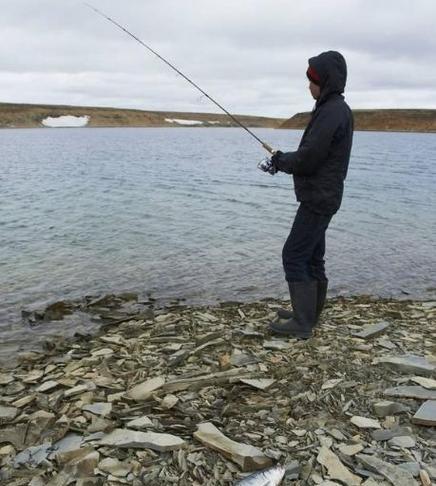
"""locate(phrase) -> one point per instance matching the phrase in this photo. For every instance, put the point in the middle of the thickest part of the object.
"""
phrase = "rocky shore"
(204, 396)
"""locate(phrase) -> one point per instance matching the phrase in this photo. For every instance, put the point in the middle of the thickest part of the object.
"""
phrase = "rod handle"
(268, 148)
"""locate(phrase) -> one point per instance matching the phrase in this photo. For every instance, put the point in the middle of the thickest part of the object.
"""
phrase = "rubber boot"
(322, 286)
(304, 303)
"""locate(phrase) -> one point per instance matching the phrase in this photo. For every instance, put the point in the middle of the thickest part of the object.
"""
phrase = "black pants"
(303, 253)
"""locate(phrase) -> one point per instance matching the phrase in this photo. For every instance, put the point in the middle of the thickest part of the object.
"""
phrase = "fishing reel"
(266, 165)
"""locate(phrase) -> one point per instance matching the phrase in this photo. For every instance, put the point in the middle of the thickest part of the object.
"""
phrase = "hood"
(332, 70)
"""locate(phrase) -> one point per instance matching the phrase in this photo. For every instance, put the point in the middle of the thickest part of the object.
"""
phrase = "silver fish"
(268, 477)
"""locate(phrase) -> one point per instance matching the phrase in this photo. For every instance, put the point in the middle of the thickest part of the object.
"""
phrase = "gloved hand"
(275, 161)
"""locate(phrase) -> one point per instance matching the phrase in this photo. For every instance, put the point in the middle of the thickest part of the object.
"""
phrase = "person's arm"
(314, 150)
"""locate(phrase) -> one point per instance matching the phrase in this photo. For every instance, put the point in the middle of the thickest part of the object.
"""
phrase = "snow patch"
(180, 121)
(66, 121)
(213, 122)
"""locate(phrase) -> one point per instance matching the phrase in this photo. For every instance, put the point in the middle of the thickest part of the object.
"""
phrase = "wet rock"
(125, 439)
(396, 475)
(426, 415)
(386, 408)
(365, 423)
(249, 458)
(335, 468)
(408, 364)
(417, 392)
(144, 390)
(7, 414)
(372, 330)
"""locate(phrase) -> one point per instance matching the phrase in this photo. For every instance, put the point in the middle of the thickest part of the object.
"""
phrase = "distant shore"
(380, 120)
(14, 115)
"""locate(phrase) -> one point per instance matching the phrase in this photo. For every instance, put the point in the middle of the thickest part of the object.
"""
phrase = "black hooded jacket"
(320, 164)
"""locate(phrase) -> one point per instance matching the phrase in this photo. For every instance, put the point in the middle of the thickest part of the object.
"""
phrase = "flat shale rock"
(412, 391)
(408, 364)
(98, 408)
(388, 434)
(260, 383)
(426, 415)
(404, 441)
(114, 467)
(372, 330)
(396, 475)
(365, 423)
(140, 423)
(335, 468)
(144, 390)
(7, 414)
(428, 383)
(385, 408)
(249, 458)
(33, 456)
(129, 439)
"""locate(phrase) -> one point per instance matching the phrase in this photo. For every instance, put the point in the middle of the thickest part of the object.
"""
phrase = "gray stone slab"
(426, 415)
(129, 439)
(248, 457)
(387, 434)
(7, 414)
(394, 474)
(408, 364)
(417, 392)
(372, 330)
(403, 441)
(384, 408)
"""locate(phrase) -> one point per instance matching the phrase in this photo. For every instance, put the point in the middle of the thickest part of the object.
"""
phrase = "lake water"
(185, 213)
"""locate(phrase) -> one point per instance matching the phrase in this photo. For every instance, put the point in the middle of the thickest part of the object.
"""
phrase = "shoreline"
(372, 130)
(179, 367)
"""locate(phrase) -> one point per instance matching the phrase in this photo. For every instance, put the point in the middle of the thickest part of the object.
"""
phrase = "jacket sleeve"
(315, 146)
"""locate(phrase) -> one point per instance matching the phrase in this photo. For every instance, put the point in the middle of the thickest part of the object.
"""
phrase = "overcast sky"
(251, 55)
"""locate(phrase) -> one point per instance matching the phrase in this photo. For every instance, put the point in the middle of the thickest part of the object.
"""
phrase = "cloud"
(251, 54)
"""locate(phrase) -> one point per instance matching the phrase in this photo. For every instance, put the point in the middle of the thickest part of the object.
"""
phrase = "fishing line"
(137, 39)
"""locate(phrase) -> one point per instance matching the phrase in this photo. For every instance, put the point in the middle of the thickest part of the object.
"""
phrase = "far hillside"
(14, 115)
(397, 120)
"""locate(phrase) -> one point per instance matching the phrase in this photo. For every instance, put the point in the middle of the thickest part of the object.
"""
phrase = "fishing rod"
(264, 144)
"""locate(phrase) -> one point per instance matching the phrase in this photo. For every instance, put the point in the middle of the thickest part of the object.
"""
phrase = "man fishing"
(319, 167)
